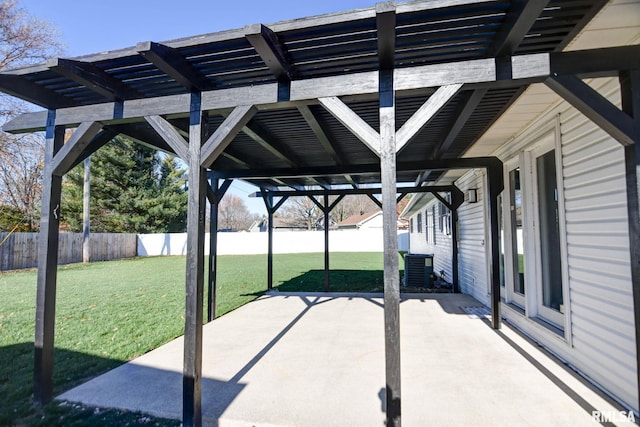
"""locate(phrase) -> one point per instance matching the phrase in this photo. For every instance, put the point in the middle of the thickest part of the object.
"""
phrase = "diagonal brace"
(353, 122)
(223, 136)
(596, 107)
(171, 136)
(74, 147)
(425, 113)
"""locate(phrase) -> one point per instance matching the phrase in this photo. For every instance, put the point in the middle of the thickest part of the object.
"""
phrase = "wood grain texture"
(171, 135)
(595, 106)
(47, 267)
(354, 123)
(425, 113)
(69, 154)
(222, 137)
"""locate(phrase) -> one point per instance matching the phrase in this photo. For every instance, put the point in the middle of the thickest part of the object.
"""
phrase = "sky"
(90, 26)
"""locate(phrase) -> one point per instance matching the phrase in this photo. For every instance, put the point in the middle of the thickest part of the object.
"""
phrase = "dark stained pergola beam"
(93, 78)
(320, 182)
(145, 136)
(459, 122)
(357, 191)
(525, 69)
(602, 62)
(595, 106)
(234, 157)
(176, 66)
(320, 133)
(425, 113)
(253, 131)
(363, 169)
(351, 181)
(71, 151)
(520, 18)
(272, 51)
(22, 88)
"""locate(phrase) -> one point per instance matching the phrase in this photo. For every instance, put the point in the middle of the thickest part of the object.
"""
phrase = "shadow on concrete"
(566, 389)
(339, 281)
(158, 392)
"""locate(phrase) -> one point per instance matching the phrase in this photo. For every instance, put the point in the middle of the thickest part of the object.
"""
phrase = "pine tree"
(133, 189)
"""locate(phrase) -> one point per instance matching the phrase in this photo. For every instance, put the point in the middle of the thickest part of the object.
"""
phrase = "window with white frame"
(419, 219)
(433, 226)
(429, 226)
(445, 216)
(536, 242)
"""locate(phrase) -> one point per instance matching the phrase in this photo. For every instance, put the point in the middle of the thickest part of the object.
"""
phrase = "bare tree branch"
(24, 40)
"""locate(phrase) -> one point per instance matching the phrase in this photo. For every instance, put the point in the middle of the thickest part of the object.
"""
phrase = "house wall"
(473, 242)
(599, 334)
(602, 321)
(373, 223)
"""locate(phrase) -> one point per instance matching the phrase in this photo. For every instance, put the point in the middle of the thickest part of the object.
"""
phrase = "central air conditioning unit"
(418, 270)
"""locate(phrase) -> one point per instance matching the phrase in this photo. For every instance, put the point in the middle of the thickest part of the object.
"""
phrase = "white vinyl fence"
(283, 242)
(20, 250)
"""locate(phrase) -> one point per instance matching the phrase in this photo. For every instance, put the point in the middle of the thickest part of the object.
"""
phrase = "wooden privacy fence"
(20, 250)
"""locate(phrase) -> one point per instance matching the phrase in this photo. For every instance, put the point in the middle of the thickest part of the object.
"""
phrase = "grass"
(110, 312)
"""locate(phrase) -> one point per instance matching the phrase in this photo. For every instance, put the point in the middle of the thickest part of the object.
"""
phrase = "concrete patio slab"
(318, 360)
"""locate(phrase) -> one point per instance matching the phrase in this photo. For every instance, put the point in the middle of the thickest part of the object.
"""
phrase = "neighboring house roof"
(278, 223)
(359, 220)
(356, 221)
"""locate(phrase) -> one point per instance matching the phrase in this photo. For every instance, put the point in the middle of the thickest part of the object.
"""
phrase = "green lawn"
(110, 312)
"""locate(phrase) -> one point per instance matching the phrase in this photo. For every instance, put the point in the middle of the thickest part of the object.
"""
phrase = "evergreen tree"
(133, 189)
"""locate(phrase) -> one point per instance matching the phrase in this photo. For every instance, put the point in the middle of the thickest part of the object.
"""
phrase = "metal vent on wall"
(418, 270)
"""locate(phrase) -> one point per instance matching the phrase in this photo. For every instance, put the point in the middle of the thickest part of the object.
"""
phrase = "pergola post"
(386, 24)
(271, 209)
(86, 212)
(457, 198)
(630, 92)
(454, 251)
(213, 254)
(268, 200)
(192, 375)
(326, 209)
(47, 266)
(494, 187)
(214, 194)
(326, 212)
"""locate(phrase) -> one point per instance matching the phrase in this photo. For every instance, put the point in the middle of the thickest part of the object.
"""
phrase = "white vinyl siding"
(472, 239)
(441, 250)
(598, 253)
(599, 338)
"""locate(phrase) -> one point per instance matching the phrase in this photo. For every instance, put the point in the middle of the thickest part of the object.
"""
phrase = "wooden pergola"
(390, 96)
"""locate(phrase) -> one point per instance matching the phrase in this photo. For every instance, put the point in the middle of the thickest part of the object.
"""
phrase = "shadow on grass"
(339, 281)
(71, 369)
